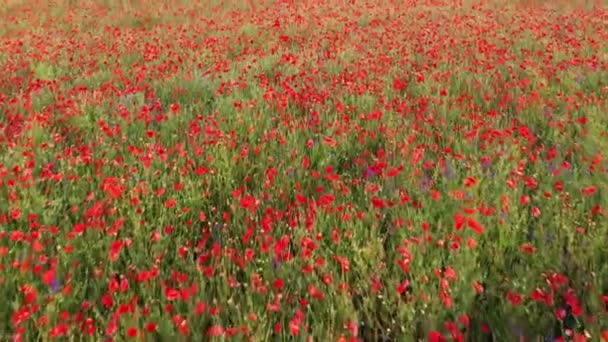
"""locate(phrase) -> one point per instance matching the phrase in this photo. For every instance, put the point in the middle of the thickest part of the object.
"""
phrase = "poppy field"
(322, 170)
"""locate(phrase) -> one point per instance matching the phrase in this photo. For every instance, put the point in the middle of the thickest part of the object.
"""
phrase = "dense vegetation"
(335, 170)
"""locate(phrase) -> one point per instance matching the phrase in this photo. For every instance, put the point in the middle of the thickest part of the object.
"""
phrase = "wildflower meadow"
(312, 170)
